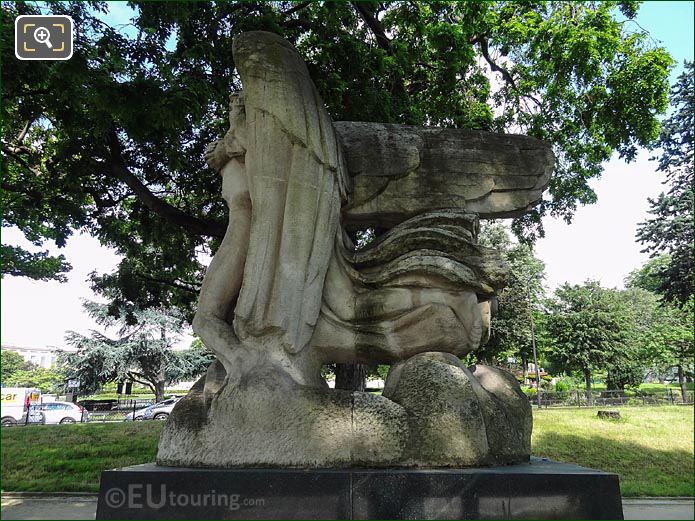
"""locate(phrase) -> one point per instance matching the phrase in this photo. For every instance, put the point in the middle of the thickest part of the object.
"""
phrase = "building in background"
(45, 357)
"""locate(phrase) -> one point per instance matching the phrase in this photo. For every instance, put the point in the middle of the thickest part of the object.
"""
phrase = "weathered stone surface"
(507, 411)
(447, 427)
(434, 412)
(455, 419)
(399, 171)
(269, 421)
(287, 290)
(608, 415)
(422, 286)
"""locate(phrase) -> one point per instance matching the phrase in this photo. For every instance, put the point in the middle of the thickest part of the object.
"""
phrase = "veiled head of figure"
(236, 136)
(237, 108)
(262, 55)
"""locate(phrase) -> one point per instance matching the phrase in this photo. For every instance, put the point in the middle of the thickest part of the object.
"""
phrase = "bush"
(561, 386)
(529, 391)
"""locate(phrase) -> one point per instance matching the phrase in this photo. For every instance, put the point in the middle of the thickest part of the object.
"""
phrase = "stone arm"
(215, 155)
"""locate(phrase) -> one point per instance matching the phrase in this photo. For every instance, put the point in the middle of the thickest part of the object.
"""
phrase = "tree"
(511, 325)
(38, 266)
(670, 340)
(670, 230)
(627, 365)
(48, 380)
(112, 141)
(10, 363)
(651, 276)
(587, 327)
(142, 352)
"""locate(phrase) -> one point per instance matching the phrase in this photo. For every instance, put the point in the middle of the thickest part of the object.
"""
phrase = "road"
(84, 507)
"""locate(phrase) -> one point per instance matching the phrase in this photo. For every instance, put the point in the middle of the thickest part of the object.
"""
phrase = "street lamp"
(533, 342)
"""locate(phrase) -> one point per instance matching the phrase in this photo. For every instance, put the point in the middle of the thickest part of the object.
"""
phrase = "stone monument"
(288, 292)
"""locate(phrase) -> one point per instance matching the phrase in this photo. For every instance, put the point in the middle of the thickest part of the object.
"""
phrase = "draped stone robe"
(308, 297)
(425, 285)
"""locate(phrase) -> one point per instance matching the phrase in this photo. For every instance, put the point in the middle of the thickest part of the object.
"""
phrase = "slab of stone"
(399, 171)
(535, 490)
(608, 415)
(434, 412)
(266, 422)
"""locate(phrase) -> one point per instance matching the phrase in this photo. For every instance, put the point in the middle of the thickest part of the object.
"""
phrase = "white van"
(15, 402)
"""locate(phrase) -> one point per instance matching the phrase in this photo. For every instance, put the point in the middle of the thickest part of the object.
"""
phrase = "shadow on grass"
(643, 471)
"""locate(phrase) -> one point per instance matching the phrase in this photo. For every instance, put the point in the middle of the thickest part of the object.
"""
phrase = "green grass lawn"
(651, 449)
(70, 458)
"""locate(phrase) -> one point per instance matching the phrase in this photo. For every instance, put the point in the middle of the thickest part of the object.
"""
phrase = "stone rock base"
(434, 412)
(535, 490)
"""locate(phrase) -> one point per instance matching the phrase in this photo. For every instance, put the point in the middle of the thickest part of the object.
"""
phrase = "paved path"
(84, 507)
(48, 507)
(658, 508)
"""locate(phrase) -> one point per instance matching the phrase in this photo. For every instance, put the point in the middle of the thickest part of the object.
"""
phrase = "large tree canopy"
(589, 327)
(511, 324)
(112, 141)
(670, 229)
(142, 353)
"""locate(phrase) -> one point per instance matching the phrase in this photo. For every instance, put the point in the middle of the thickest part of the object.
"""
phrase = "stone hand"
(216, 155)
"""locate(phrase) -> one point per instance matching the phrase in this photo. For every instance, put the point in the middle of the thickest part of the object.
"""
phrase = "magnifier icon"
(43, 35)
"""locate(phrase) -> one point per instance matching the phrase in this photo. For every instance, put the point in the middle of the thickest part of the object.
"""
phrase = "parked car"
(157, 411)
(56, 412)
(136, 415)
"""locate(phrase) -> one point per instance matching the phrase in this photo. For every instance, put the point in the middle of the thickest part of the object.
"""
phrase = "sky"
(599, 244)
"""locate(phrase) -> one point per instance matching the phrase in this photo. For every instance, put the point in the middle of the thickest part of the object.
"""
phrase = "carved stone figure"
(288, 291)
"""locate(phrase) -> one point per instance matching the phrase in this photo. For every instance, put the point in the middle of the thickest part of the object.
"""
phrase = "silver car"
(157, 411)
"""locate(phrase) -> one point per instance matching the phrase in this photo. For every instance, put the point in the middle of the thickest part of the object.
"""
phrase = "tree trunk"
(524, 369)
(351, 377)
(681, 383)
(587, 379)
(159, 390)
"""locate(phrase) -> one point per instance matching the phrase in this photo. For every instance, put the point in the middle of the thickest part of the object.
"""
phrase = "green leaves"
(626, 332)
(567, 72)
(511, 325)
(587, 326)
(10, 363)
(670, 230)
(38, 266)
(142, 352)
(48, 380)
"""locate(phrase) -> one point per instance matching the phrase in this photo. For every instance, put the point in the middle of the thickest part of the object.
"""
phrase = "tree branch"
(485, 50)
(176, 283)
(192, 225)
(383, 41)
(131, 375)
(296, 8)
(496, 68)
(23, 133)
(11, 151)
(375, 26)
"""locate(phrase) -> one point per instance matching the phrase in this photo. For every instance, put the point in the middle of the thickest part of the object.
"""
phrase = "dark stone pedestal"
(535, 490)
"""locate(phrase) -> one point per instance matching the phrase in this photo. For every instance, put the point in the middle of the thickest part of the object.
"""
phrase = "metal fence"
(578, 398)
(115, 410)
(121, 404)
